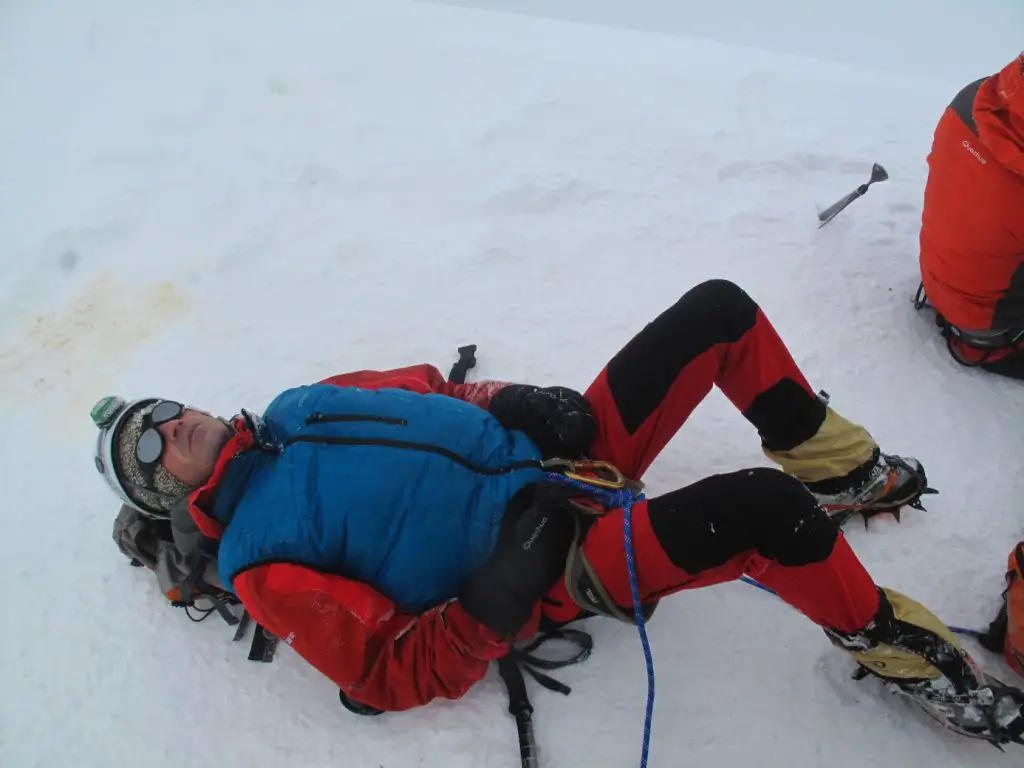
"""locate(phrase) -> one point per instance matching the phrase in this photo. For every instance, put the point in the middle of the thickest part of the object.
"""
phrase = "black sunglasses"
(150, 447)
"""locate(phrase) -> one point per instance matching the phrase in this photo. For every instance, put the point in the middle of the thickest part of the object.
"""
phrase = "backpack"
(184, 563)
(1005, 634)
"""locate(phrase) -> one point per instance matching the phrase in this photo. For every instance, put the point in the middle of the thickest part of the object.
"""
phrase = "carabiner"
(602, 474)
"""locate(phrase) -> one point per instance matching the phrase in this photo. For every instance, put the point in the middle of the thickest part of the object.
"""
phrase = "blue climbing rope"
(625, 498)
(958, 630)
(641, 624)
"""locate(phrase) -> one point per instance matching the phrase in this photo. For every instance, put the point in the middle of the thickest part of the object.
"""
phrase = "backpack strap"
(467, 360)
(263, 646)
(510, 668)
(193, 583)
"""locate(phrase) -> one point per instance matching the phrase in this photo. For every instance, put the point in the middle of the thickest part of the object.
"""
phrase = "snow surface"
(215, 201)
(929, 38)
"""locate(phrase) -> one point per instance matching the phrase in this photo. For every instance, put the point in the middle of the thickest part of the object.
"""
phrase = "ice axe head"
(878, 173)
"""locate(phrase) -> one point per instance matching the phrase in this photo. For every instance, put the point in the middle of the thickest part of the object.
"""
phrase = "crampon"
(901, 483)
(992, 712)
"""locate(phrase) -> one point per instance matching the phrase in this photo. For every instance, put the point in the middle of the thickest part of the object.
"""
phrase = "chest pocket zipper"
(328, 418)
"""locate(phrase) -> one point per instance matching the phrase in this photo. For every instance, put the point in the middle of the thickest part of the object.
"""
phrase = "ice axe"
(878, 173)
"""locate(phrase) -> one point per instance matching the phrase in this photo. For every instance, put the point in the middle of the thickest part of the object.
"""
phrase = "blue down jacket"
(401, 491)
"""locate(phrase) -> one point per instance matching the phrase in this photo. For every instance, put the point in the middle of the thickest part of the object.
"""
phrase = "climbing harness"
(605, 484)
(625, 497)
(986, 343)
(602, 482)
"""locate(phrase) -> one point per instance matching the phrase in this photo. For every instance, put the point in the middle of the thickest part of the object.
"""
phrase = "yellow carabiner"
(600, 474)
(612, 478)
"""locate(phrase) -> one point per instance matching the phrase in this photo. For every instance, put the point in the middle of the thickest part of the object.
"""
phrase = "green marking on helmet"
(103, 413)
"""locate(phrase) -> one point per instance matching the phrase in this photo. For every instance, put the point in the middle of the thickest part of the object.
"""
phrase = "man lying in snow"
(972, 228)
(400, 532)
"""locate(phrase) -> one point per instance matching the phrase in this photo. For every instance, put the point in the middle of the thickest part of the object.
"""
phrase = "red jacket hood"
(201, 498)
(999, 114)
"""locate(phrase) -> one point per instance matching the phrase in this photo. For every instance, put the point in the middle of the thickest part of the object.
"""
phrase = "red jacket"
(972, 229)
(347, 630)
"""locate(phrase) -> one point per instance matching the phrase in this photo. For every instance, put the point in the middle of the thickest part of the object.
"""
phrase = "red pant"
(759, 522)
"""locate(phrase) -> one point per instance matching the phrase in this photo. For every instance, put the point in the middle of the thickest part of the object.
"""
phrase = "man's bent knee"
(759, 510)
(640, 376)
(796, 530)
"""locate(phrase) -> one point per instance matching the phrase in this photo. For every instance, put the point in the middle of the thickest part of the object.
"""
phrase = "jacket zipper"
(412, 446)
(326, 418)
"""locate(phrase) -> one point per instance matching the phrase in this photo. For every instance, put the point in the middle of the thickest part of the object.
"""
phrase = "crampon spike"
(895, 511)
(867, 514)
(917, 504)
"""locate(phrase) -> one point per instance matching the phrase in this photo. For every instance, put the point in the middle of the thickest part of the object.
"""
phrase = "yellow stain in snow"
(68, 353)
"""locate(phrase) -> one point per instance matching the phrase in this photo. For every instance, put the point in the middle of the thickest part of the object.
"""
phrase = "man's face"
(192, 444)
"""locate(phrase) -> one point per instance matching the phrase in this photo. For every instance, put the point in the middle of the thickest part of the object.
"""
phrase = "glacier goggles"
(150, 447)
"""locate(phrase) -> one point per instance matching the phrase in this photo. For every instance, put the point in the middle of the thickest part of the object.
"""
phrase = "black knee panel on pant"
(708, 523)
(786, 415)
(641, 374)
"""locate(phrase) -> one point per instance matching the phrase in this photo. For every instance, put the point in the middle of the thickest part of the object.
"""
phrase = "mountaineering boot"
(916, 655)
(885, 483)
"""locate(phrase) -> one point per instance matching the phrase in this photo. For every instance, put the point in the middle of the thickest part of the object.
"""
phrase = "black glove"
(537, 532)
(557, 419)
